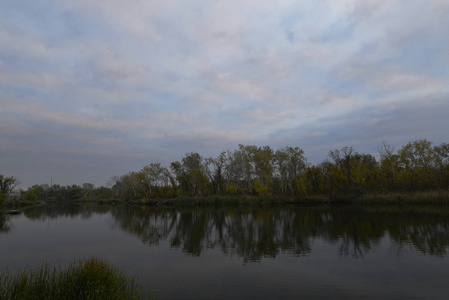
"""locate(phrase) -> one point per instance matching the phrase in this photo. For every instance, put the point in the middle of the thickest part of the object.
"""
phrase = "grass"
(102, 201)
(14, 204)
(431, 197)
(211, 200)
(423, 197)
(86, 279)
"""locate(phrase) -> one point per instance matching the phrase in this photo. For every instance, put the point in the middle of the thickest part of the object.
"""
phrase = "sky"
(90, 89)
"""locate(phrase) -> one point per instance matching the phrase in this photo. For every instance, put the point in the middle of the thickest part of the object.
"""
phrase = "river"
(243, 252)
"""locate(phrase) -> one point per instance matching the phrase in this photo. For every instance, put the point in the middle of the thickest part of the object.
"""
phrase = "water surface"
(277, 252)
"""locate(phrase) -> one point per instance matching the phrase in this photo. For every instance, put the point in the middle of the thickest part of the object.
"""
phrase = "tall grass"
(212, 200)
(14, 204)
(86, 279)
(434, 197)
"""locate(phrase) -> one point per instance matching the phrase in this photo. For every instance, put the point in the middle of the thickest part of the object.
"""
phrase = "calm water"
(246, 253)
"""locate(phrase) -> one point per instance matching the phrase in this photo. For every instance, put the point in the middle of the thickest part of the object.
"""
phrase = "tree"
(290, 165)
(7, 184)
(191, 174)
(244, 159)
(34, 193)
(131, 185)
(389, 163)
(359, 170)
(116, 185)
(342, 158)
(88, 190)
(263, 158)
(333, 178)
(418, 162)
(215, 169)
(423, 166)
(234, 173)
(365, 173)
(154, 177)
(442, 164)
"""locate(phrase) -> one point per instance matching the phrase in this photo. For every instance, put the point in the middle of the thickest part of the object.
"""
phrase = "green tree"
(442, 165)
(418, 162)
(154, 177)
(7, 184)
(290, 165)
(334, 179)
(359, 170)
(234, 172)
(34, 193)
(191, 175)
(343, 159)
(245, 165)
(215, 168)
(389, 164)
(88, 191)
(131, 184)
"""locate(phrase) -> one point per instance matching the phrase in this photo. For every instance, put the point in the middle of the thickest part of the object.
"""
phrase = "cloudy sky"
(90, 89)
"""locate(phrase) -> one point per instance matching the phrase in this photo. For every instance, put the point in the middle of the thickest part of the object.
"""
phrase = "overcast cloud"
(91, 89)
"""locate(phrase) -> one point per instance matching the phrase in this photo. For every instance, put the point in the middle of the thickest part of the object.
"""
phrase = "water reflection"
(5, 225)
(253, 234)
(48, 212)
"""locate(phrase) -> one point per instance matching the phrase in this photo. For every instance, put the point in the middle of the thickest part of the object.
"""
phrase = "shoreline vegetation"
(395, 199)
(440, 197)
(425, 197)
(91, 278)
(416, 172)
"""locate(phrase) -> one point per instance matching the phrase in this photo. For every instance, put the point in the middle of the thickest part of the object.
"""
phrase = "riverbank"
(427, 197)
(228, 200)
(394, 198)
(19, 205)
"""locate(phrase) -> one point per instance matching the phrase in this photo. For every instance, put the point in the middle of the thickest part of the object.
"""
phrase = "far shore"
(440, 197)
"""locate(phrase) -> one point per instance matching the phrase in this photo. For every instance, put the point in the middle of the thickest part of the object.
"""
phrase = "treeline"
(263, 171)
(56, 192)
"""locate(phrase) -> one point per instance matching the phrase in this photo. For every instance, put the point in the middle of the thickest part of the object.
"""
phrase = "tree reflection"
(46, 212)
(265, 232)
(428, 233)
(254, 233)
(5, 227)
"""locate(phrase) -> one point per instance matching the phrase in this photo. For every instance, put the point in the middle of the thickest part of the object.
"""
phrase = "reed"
(434, 197)
(214, 200)
(86, 279)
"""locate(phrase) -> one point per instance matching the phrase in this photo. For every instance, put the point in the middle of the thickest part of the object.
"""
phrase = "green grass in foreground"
(86, 279)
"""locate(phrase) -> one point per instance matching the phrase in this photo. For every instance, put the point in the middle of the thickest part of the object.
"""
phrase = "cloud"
(125, 82)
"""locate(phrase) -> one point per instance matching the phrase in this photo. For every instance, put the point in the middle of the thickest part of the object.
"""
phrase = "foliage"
(85, 192)
(419, 197)
(262, 171)
(89, 279)
(7, 184)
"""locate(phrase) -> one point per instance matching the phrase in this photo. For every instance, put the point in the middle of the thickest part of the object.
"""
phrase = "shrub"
(86, 279)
